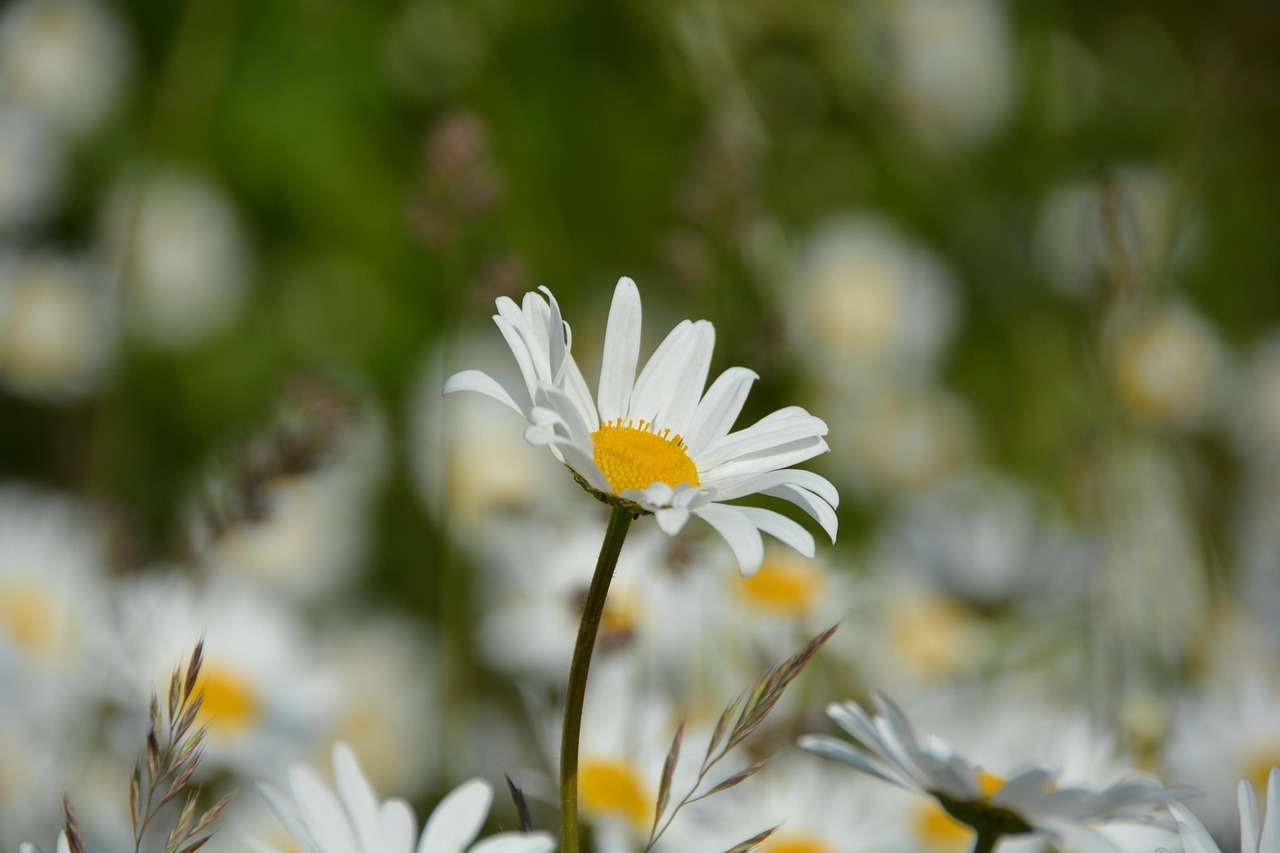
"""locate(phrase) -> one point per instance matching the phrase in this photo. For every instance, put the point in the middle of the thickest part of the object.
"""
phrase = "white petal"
(653, 387)
(557, 332)
(771, 459)
(781, 528)
(286, 813)
(455, 822)
(516, 842)
(398, 825)
(320, 810)
(741, 485)
(721, 406)
(836, 750)
(740, 533)
(773, 430)
(1269, 841)
(583, 463)
(1195, 838)
(491, 385)
(359, 798)
(254, 844)
(672, 519)
(818, 509)
(575, 387)
(1250, 828)
(686, 391)
(510, 325)
(621, 351)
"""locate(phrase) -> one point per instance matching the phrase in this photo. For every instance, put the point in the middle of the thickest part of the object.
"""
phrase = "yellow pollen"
(636, 457)
(230, 705)
(783, 586)
(797, 844)
(29, 618)
(612, 789)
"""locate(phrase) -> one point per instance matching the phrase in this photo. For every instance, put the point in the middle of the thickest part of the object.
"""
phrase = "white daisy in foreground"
(1258, 833)
(352, 820)
(655, 443)
(1027, 802)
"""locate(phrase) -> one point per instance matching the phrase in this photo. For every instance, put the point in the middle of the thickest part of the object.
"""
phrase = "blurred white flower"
(1029, 801)
(814, 809)
(185, 255)
(899, 441)
(57, 327)
(953, 71)
(267, 699)
(1259, 833)
(33, 171)
(389, 708)
(54, 601)
(470, 467)
(655, 443)
(1221, 737)
(866, 300)
(1164, 365)
(349, 818)
(311, 537)
(1124, 228)
(65, 60)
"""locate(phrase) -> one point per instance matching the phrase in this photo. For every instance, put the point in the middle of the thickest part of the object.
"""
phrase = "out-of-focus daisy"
(1259, 833)
(1027, 802)
(953, 73)
(656, 443)
(57, 328)
(266, 697)
(900, 441)
(1123, 228)
(1220, 738)
(865, 300)
(184, 252)
(473, 466)
(32, 171)
(813, 810)
(349, 818)
(65, 60)
(54, 603)
(389, 707)
(1163, 366)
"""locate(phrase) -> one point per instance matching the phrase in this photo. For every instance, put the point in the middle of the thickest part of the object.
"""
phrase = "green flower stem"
(985, 842)
(576, 692)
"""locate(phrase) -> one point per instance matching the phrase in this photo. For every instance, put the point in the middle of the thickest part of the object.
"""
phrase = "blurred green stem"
(985, 842)
(576, 692)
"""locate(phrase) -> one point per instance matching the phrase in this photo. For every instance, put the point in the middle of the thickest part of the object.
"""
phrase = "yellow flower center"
(1259, 769)
(634, 457)
(29, 618)
(612, 789)
(783, 586)
(230, 704)
(797, 844)
(939, 831)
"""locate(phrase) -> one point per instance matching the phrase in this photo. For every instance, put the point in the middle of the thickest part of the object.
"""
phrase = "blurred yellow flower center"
(632, 457)
(29, 617)
(783, 586)
(1259, 769)
(612, 789)
(938, 830)
(230, 704)
(797, 844)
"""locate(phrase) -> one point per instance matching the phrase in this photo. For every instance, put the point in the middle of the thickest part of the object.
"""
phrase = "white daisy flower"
(1258, 833)
(656, 443)
(1027, 802)
(352, 820)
